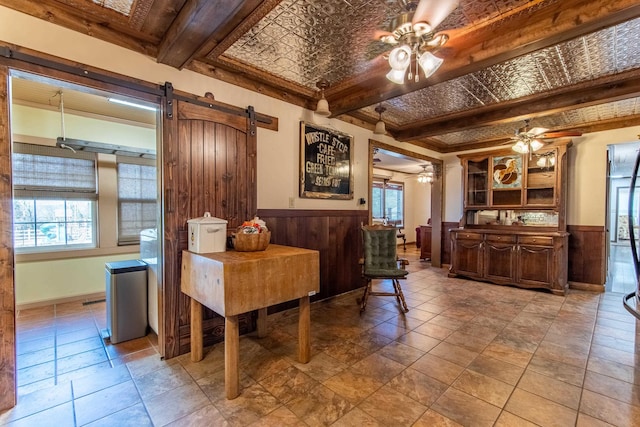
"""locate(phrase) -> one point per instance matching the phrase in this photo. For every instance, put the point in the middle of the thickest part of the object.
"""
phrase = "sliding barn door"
(209, 165)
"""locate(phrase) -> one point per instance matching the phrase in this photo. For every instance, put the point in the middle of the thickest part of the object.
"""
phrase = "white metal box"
(207, 234)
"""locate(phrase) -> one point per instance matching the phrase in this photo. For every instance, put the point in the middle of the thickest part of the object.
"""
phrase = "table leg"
(304, 330)
(261, 325)
(196, 331)
(231, 357)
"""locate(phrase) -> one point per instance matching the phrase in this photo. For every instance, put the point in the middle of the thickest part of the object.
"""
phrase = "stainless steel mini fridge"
(126, 283)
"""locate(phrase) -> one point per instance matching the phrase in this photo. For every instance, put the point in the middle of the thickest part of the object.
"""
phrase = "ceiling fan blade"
(536, 132)
(379, 34)
(434, 11)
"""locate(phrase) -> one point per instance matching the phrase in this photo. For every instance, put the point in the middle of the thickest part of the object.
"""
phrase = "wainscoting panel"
(335, 234)
(587, 263)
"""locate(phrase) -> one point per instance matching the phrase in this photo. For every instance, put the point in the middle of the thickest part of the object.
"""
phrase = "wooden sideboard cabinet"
(525, 259)
(513, 229)
(425, 242)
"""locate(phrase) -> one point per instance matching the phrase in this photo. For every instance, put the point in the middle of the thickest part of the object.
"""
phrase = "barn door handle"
(168, 200)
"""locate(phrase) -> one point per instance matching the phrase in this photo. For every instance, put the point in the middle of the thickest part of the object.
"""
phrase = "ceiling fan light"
(396, 76)
(322, 109)
(520, 147)
(388, 39)
(400, 58)
(536, 145)
(429, 63)
(381, 128)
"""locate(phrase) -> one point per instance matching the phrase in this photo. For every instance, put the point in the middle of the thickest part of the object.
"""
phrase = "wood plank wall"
(335, 234)
(587, 262)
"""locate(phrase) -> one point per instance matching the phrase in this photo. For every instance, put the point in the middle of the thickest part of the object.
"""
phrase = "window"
(388, 202)
(137, 188)
(54, 200)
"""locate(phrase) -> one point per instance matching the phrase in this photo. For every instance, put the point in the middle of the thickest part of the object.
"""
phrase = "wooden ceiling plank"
(490, 45)
(79, 20)
(196, 23)
(248, 82)
(605, 89)
(153, 17)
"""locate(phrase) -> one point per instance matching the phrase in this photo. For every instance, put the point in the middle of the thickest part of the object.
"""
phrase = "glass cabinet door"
(477, 182)
(541, 179)
(507, 179)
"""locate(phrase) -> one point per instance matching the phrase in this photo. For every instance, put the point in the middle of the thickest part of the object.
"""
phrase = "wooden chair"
(380, 261)
(403, 236)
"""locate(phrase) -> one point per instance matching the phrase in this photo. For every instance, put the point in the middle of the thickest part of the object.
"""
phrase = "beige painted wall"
(587, 175)
(35, 122)
(59, 279)
(278, 152)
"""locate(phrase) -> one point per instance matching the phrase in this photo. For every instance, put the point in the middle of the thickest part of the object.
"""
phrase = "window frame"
(382, 185)
(153, 200)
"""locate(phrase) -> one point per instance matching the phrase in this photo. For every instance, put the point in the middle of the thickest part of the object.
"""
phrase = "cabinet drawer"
(500, 238)
(536, 240)
(466, 235)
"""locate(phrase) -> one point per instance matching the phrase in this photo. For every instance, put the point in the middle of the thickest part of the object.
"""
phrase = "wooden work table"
(231, 283)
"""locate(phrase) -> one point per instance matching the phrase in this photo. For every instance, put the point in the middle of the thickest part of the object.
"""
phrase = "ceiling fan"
(529, 140)
(412, 32)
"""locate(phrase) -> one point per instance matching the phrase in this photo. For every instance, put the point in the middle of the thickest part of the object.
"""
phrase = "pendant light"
(381, 128)
(322, 109)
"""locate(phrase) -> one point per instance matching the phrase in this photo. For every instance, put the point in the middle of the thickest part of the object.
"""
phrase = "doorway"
(621, 276)
(69, 233)
(401, 169)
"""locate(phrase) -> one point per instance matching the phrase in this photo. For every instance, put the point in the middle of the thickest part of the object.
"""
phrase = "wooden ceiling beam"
(200, 23)
(92, 20)
(605, 89)
(488, 45)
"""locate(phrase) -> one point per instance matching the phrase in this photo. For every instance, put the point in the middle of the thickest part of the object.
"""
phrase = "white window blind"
(39, 169)
(137, 195)
(54, 198)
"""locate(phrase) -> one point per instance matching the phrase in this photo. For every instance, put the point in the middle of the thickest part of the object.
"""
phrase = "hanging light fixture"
(413, 32)
(527, 140)
(547, 160)
(426, 175)
(322, 109)
(381, 128)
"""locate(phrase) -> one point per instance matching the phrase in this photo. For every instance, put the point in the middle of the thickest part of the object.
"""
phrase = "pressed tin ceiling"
(596, 55)
(564, 64)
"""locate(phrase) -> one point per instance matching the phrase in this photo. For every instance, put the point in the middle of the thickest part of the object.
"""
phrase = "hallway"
(622, 276)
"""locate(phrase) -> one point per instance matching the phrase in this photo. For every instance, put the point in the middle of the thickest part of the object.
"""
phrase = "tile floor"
(467, 353)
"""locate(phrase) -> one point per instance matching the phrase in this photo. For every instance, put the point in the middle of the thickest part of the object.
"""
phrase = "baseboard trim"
(591, 287)
(83, 298)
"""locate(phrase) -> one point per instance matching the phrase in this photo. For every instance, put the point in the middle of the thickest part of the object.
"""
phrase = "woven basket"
(251, 242)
